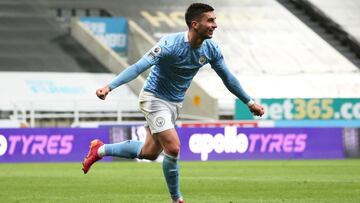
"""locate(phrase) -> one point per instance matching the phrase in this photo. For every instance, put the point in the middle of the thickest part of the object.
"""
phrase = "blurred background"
(298, 58)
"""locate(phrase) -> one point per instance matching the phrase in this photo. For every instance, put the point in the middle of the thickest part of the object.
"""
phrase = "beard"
(204, 33)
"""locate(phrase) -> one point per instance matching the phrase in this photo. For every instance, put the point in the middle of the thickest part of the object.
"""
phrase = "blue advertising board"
(113, 32)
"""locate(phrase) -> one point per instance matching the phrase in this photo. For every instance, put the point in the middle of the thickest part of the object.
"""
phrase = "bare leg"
(170, 142)
(152, 147)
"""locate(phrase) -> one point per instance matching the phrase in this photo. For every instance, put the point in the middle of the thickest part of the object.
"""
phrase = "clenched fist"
(102, 92)
(257, 109)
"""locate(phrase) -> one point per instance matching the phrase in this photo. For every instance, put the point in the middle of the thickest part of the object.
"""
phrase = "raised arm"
(130, 73)
(150, 58)
(124, 77)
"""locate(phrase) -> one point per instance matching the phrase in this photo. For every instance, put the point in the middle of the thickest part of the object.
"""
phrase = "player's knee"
(173, 151)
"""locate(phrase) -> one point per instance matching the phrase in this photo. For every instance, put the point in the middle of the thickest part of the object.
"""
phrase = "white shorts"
(160, 115)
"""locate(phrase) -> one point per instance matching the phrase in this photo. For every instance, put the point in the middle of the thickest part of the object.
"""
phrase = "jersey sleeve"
(152, 57)
(230, 81)
(156, 53)
(129, 73)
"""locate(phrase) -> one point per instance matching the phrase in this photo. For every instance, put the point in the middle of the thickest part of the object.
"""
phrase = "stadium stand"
(335, 21)
(32, 40)
(38, 59)
(345, 13)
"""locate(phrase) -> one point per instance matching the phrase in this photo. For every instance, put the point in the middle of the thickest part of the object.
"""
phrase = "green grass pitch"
(229, 181)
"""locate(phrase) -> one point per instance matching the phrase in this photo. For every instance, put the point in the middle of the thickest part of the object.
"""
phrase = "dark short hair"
(195, 11)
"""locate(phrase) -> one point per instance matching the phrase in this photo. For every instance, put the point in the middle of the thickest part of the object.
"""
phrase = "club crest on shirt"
(202, 60)
(159, 121)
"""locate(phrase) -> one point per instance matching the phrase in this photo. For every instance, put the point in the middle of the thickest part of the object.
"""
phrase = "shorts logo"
(202, 60)
(159, 121)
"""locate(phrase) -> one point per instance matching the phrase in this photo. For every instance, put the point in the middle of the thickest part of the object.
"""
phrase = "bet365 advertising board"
(318, 111)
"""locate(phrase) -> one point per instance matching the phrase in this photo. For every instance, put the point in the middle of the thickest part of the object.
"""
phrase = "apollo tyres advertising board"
(231, 143)
(48, 144)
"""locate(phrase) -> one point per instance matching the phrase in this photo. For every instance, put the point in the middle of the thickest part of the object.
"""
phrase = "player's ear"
(194, 24)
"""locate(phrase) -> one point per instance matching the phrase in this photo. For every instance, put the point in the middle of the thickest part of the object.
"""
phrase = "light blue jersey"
(174, 64)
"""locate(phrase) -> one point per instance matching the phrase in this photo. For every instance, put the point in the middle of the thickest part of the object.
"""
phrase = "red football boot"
(180, 200)
(92, 156)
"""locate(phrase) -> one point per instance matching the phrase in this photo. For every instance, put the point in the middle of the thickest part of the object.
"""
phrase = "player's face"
(206, 25)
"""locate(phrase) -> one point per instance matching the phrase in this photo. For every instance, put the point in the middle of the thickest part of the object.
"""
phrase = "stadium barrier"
(198, 144)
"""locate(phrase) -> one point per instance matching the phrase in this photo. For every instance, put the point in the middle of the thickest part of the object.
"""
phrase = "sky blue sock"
(128, 149)
(171, 173)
